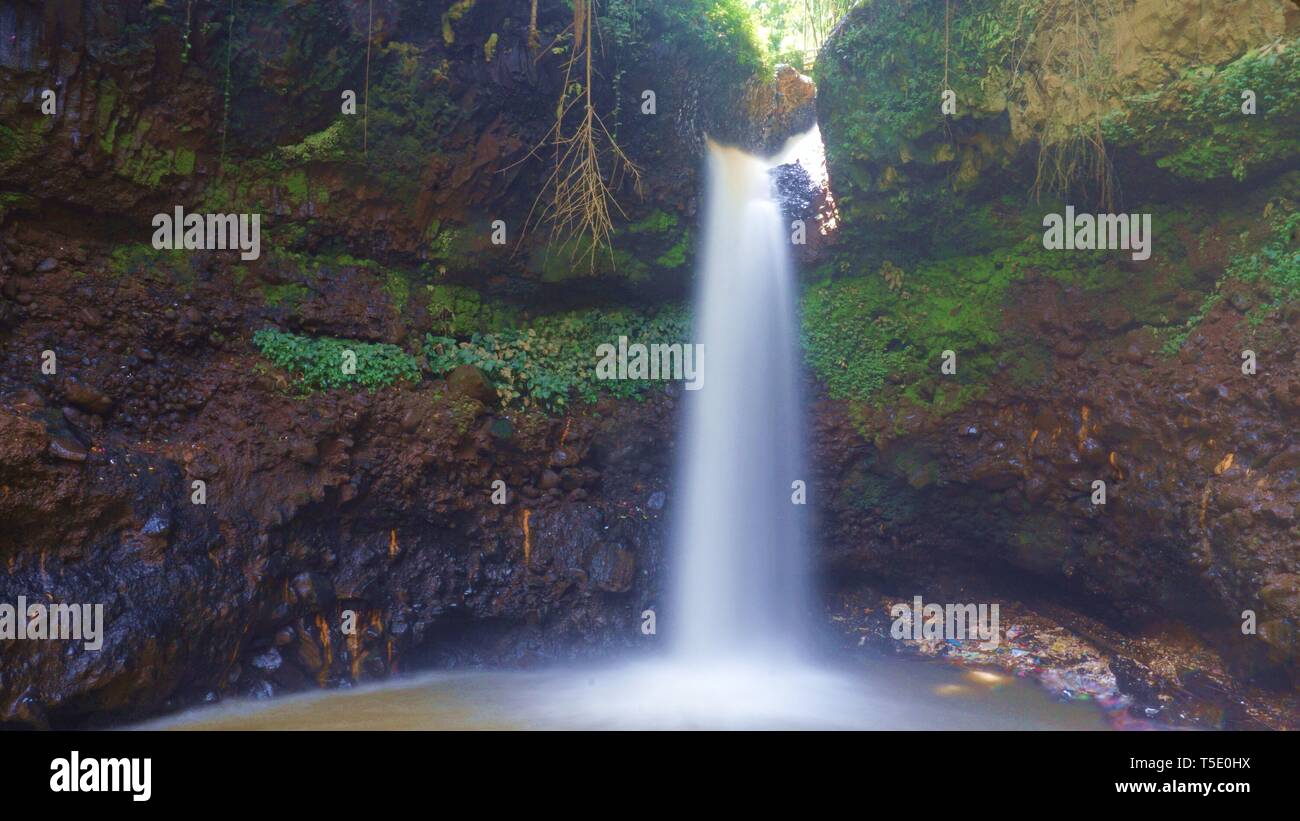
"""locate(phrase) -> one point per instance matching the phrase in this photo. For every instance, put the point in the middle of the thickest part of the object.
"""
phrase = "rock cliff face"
(1117, 104)
(245, 109)
(374, 501)
(1072, 368)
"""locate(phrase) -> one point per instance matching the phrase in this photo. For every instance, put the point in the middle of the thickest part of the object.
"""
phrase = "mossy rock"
(911, 181)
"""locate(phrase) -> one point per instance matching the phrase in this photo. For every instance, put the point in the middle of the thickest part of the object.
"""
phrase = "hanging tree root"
(1077, 46)
(577, 199)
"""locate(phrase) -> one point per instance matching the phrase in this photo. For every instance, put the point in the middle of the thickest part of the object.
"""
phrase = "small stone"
(158, 525)
(67, 449)
(501, 428)
(469, 381)
(1070, 348)
(87, 398)
(269, 661)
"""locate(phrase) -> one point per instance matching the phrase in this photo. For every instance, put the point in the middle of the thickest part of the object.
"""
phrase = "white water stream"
(740, 579)
(736, 622)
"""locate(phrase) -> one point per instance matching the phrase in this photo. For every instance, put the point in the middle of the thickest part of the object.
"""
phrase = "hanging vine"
(225, 111)
(534, 39)
(1071, 39)
(365, 116)
(577, 199)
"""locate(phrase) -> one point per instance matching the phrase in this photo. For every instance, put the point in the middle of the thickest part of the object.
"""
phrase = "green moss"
(108, 137)
(657, 222)
(1272, 269)
(574, 259)
(902, 179)
(183, 163)
(295, 185)
(892, 501)
(457, 311)
(106, 115)
(15, 201)
(450, 246)
(143, 262)
(411, 114)
(637, 252)
(875, 341)
(284, 295)
(398, 289)
(1195, 128)
(860, 333)
(675, 256)
(323, 146)
(20, 142)
(458, 10)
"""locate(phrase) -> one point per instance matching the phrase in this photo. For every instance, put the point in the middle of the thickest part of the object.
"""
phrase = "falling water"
(740, 580)
(736, 619)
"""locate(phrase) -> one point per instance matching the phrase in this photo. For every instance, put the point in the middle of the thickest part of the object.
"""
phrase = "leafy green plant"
(1275, 266)
(1195, 128)
(317, 363)
(553, 363)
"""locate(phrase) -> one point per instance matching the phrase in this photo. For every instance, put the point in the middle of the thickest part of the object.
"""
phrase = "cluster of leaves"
(552, 363)
(1174, 336)
(328, 145)
(1273, 269)
(795, 27)
(881, 77)
(1196, 129)
(318, 362)
(879, 83)
(1275, 266)
(719, 33)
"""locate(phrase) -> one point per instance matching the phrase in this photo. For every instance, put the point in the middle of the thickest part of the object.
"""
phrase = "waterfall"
(739, 588)
(736, 620)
